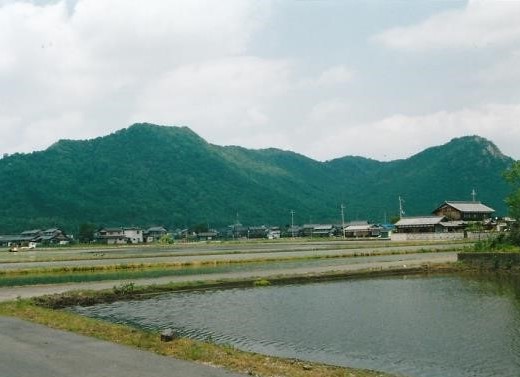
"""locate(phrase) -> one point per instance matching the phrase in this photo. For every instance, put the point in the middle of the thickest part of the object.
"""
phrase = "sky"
(382, 79)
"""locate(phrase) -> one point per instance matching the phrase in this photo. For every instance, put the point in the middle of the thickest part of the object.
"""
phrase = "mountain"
(148, 174)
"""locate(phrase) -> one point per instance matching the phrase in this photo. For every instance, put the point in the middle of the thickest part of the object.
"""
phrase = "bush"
(124, 288)
(501, 242)
(262, 283)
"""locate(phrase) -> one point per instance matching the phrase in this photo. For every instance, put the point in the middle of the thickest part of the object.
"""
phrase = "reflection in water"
(417, 326)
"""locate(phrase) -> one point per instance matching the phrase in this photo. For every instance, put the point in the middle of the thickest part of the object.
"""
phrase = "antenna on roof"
(474, 195)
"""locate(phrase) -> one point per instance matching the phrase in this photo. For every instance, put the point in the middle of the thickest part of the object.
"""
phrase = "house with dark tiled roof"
(422, 224)
(362, 230)
(52, 236)
(154, 233)
(466, 211)
(211, 234)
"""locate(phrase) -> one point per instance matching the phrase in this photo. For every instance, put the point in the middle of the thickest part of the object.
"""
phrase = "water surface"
(417, 326)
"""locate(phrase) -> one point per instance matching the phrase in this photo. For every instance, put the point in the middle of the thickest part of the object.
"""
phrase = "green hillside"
(148, 174)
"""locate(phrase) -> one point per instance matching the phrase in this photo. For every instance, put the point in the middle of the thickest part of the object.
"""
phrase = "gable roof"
(156, 229)
(419, 221)
(453, 224)
(323, 227)
(467, 206)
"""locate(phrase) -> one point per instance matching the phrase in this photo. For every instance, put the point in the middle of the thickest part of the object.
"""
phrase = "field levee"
(491, 261)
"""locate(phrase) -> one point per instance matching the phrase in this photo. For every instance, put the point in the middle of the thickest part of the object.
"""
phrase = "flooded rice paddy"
(9, 280)
(416, 326)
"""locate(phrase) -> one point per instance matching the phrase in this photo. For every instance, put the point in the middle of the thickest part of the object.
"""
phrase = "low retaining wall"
(439, 236)
(491, 261)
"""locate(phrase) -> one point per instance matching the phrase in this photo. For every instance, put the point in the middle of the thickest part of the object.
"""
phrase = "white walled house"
(120, 236)
(133, 235)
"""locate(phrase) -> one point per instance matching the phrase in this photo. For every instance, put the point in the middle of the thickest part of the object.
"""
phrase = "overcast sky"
(380, 79)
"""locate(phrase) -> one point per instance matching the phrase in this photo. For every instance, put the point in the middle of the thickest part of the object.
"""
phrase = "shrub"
(262, 283)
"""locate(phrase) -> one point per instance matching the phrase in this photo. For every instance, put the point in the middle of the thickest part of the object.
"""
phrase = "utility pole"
(292, 223)
(343, 220)
(401, 210)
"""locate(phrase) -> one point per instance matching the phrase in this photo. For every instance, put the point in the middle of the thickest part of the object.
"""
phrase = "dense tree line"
(147, 174)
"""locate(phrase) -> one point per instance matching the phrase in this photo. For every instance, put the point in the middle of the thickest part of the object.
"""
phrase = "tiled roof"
(419, 221)
(453, 224)
(470, 207)
(323, 227)
(156, 229)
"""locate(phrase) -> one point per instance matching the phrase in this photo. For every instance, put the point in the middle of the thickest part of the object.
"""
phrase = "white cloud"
(221, 98)
(96, 61)
(506, 71)
(160, 33)
(88, 70)
(400, 136)
(335, 76)
(329, 113)
(480, 24)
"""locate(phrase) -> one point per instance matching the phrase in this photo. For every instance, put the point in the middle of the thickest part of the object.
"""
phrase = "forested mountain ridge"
(148, 174)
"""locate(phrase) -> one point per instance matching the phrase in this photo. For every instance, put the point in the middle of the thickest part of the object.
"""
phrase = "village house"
(257, 232)
(51, 236)
(113, 236)
(362, 230)
(154, 234)
(465, 211)
(318, 230)
(211, 234)
(274, 233)
(424, 224)
(133, 235)
(15, 239)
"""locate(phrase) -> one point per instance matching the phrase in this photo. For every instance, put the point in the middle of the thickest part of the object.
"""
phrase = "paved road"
(31, 350)
(242, 256)
(350, 264)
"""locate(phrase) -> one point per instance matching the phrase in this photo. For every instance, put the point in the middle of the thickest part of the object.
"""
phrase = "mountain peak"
(486, 146)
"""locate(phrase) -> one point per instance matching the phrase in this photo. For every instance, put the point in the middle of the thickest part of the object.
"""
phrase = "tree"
(199, 228)
(86, 232)
(166, 239)
(512, 176)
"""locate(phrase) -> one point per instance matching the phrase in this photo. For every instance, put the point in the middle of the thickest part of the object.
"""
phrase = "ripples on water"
(420, 326)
